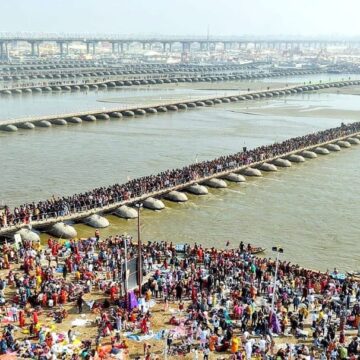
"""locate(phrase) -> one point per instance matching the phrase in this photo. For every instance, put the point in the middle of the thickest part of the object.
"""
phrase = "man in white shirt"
(262, 344)
(248, 348)
(216, 324)
(14, 311)
(203, 337)
(314, 318)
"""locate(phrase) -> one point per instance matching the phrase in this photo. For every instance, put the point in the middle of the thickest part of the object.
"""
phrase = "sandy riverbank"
(350, 90)
(301, 111)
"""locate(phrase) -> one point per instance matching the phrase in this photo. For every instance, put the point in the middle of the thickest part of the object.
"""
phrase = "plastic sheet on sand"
(80, 322)
(151, 335)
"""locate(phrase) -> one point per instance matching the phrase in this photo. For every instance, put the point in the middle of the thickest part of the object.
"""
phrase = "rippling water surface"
(311, 209)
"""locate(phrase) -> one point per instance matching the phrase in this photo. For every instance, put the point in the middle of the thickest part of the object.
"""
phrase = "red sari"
(35, 317)
(21, 318)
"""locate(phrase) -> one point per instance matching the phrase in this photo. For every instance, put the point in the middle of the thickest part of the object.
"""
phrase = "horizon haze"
(183, 17)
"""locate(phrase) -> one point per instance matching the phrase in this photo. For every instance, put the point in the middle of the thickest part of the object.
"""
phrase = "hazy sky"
(180, 17)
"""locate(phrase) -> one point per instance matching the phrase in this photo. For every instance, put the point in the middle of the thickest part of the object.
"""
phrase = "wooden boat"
(353, 273)
(257, 250)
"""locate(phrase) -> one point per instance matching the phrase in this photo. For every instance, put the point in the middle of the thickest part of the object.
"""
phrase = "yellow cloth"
(234, 345)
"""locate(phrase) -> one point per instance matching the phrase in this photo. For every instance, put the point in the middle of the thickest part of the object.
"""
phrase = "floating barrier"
(182, 107)
(251, 172)
(344, 144)
(116, 115)
(308, 154)
(296, 158)
(27, 126)
(59, 122)
(197, 189)
(9, 128)
(74, 120)
(353, 141)
(29, 235)
(103, 117)
(268, 167)
(96, 221)
(176, 196)
(282, 162)
(153, 204)
(90, 118)
(126, 212)
(172, 108)
(44, 124)
(62, 230)
(215, 183)
(140, 112)
(321, 151)
(333, 147)
(234, 177)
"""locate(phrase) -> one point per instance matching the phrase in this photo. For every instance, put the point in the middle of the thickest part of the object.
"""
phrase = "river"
(309, 209)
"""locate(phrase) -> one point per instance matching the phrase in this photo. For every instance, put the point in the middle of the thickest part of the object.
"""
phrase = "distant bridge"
(130, 110)
(121, 42)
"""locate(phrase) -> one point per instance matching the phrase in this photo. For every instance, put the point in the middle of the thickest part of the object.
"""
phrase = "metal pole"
(139, 250)
(274, 286)
(126, 274)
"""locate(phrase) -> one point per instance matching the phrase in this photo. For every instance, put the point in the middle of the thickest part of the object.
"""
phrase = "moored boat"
(257, 250)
